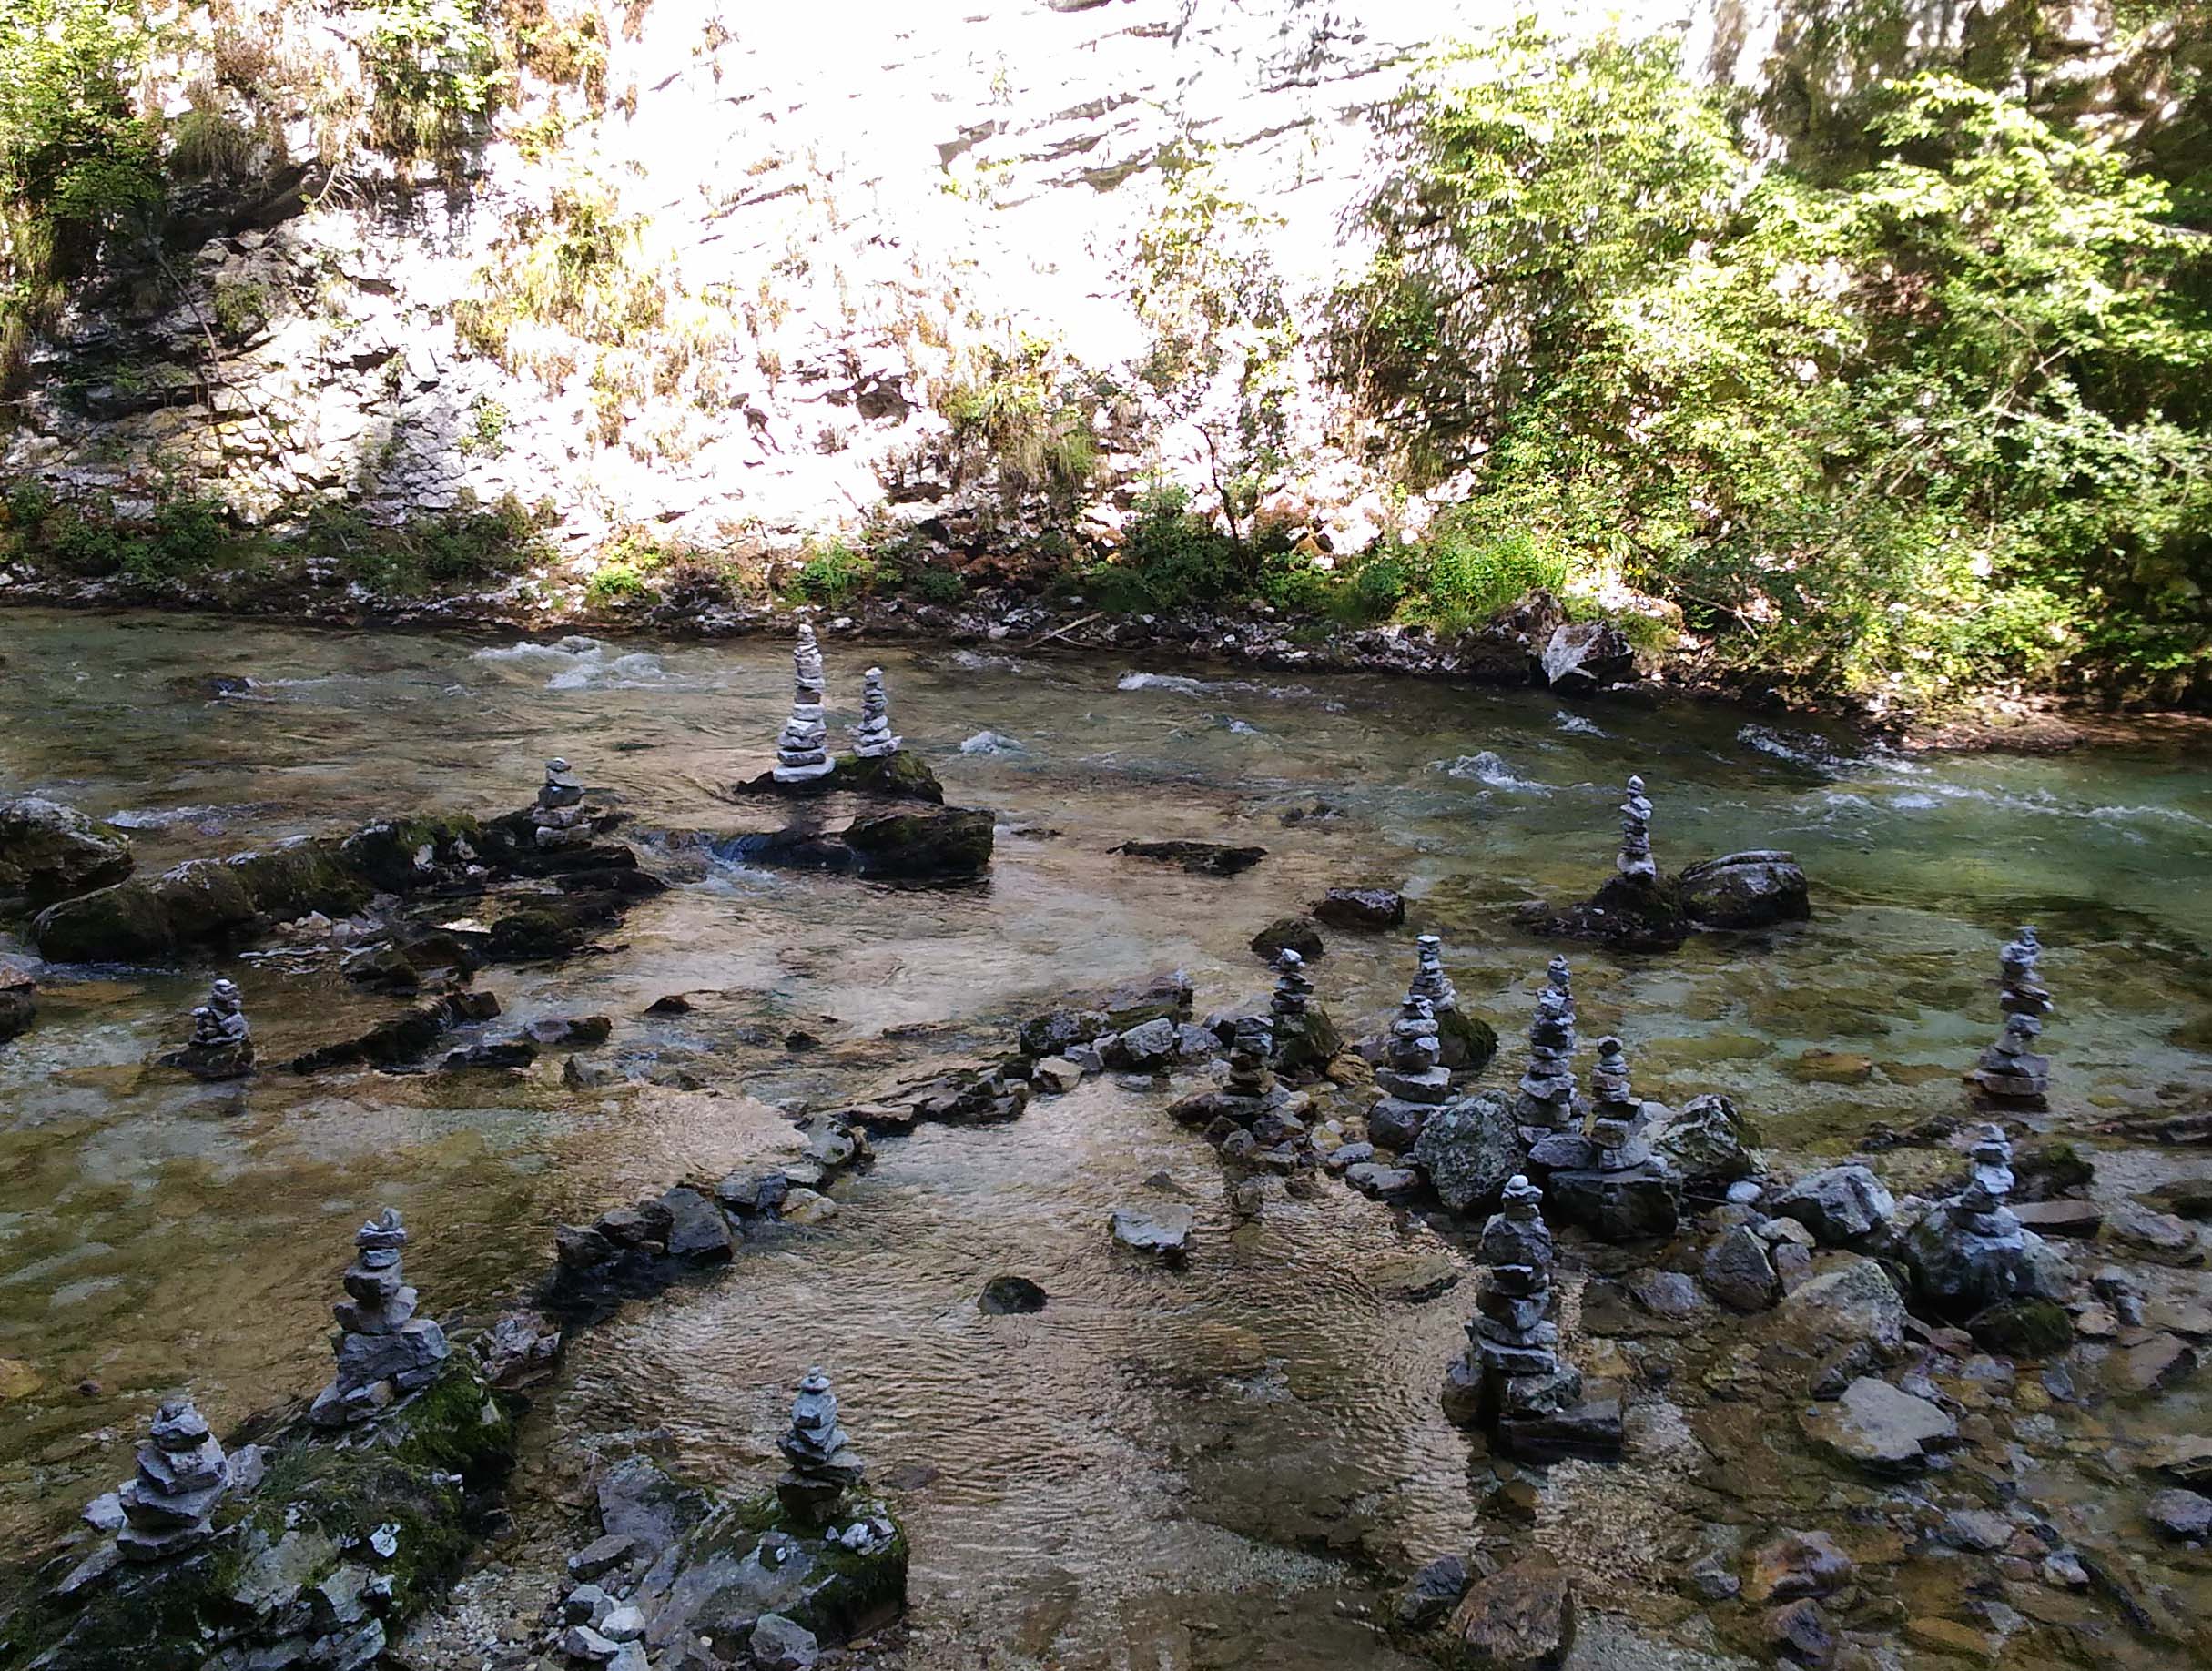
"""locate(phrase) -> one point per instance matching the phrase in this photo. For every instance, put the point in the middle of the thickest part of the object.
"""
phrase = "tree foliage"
(1947, 420)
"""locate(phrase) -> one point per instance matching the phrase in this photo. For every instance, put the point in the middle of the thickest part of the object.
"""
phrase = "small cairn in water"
(1307, 1039)
(1251, 1049)
(1625, 1192)
(872, 738)
(2011, 1072)
(1547, 1101)
(1971, 1253)
(1636, 860)
(823, 1465)
(384, 1351)
(556, 817)
(802, 753)
(1414, 1079)
(1462, 1041)
(1294, 992)
(182, 1475)
(221, 1045)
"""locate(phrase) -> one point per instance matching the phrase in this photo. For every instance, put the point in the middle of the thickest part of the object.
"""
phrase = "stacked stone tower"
(802, 753)
(872, 738)
(2011, 1071)
(823, 1465)
(1547, 1101)
(182, 1475)
(384, 1351)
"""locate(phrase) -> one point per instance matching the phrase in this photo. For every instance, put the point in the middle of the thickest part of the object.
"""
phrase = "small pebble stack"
(182, 1475)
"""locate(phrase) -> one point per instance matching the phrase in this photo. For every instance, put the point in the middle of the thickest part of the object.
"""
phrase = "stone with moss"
(900, 775)
(49, 852)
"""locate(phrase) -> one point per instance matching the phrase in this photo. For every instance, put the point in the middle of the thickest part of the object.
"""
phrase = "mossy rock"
(2023, 1329)
(388, 854)
(204, 899)
(2045, 1170)
(49, 852)
(1468, 1041)
(125, 923)
(1308, 1044)
(299, 877)
(901, 777)
(952, 843)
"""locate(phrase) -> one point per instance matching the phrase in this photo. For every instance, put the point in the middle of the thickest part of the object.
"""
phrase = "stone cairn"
(1617, 1114)
(802, 753)
(182, 1475)
(1636, 860)
(1294, 992)
(872, 738)
(1413, 1076)
(2010, 1071)
(1547, 1101)
(384, 1351)
(1971, 1252)
(1432, 983)
(1620, 1190)
(823, 1463)
(221, 1045)
(556, 817)
(1251, 1049)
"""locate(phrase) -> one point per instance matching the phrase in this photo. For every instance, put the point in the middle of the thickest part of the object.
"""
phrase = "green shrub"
(939, 586)
(469, 546)
(434, 74)
(1470, 568)
(1170, 558)
(614, 582)
(834, 573)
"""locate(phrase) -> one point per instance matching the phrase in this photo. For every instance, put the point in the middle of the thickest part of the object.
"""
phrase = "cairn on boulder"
(1464, 1042)
(1414, 1081)
(802, 753)
(1547, 1101)
(872, 738)
(2010, 1071)
(823, 1465)
(556, 817)
(221, 1046)
(1636, 860)
(1970, 1251)
(384, 1351)
(182, 1475)
(1307, 1040)
(1510, 1381)
(1627, 1192)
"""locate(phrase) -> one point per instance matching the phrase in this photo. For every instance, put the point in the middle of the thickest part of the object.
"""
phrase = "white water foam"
(1488, 768)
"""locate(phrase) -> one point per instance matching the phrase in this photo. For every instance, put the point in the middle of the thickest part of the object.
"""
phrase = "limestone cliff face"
(776, 272)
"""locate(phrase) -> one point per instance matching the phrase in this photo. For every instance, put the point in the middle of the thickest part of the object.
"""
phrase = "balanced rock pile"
(1971, 1253)
(1635, 860)
(1414, 1079)
(823, 1463)
(872, 738)
(182, 1475)
(557, 817)
(802, 752)
(1465, 1043)
(221, 1045)
(384, 1351)
(1547, 1101)
(2011, 1072)
(1628, 1192)
(1307, 1040)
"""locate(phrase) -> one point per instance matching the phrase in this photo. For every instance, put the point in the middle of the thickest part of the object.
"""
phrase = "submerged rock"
(1880, 1427)
(1521, 1618)
(1010, 1296)
(948, 844)
(18, 1002)
(1361, 907)
(1160, 1232)
(49, 852)
(1204, 858)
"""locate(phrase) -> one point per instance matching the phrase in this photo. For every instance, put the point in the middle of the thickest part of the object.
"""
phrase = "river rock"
(1361, 907)
(1201, 858)
(1880, 1427)
(49, 852)
(1161, 1232)
(1796, 1564)
(2182, 1515)
(1708, 1141)
(1147, 1047)
(1082, 1020)
(1852, 1300)
(1583, 657)
(1521, 1618)
(18, 1002)
(1745, 890)
(2185, 1458)
(1431, 1592)
(1843, 1206)
(1010, 1296)
(1737, 1272)
(779, 1645)
(1298, 934)
(697, 1234)
(1468, 1151)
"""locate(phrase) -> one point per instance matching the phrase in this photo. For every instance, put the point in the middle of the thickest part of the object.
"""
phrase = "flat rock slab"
(1203, 858)
(2061, 1218)
(1162, 1233)
(1880, 1427)
(1519, 1619)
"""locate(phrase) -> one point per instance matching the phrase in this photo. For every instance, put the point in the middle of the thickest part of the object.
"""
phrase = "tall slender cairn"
(802, 753)
(1414, 1081)
(1622, 1192)
(1547, 1101)
(221, 1043)
(872, 738)
(556, 817)
(1464, 1043)
(1307, 1039)
(823, 1465)
(384, 1351)
(182, 1475)
(1251, 1046)
(2011, 1071)
(1294, 992)
(1635, 859)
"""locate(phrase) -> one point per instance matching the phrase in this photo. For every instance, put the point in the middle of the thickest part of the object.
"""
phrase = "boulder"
(1147, 1047)
(2183, 1516)
(1468, 1151)
(1361, 907)
(1844, 1206)
(1708, 1142)
(1745, 890)
(1737, 1272)
(697, 1234)
(1583, 656)
(1432, 1593)
(1161, 1232)
(1630, 1205)
(1298, 934)
(954, 842)
(1508, 649)
(777, 1644)
(902, 775)
(1880, 1427)
(1201, 858)
(1852, 1300)
(49, 852)
(1521, 1618)
(1010, 1296)
(1794, 1564)
(1081, 1019)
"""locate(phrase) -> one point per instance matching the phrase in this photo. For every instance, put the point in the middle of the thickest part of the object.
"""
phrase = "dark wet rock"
(1880, 1427)
(1508, 649)
(1468, 1150)
(49, 852)
(754, 1190)
(18, 1002)
(1851, 1299)
(499, 1055)
(404, 1039)
(670, 1004)
(1799, 1633)
(1629, 1206)
(576, 1032)
(1162, 1233)
(1639, 914)
(2045, 1171)
(1384, 1184)
(1585, 656)
(1796, 1564)
(946, 845)
(902, 775)
(1430, 1593)
(2025, 1329)
(1745, 890)
(2182, 1515)
(1298, 934)
(519, 1350)
(1739, 1272)
(1361, 907)
(1094, 1014)
(1147, 1047)
(1708, 1141)
(1844, 1206)
(1521, 1618)
(696, 1232)
(2072, 1220)
(1010, 1296)
(777, 1644)
(1204, 858)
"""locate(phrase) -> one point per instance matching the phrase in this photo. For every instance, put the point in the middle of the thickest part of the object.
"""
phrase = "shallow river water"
(1204, 1468)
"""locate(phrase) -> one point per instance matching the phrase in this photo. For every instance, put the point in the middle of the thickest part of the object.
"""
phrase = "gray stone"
(1745, 890)
(2183, 1515)
(1851, 1301)
(698, 1233)
(779, 1645)
(1146, 1047)
(1583, 656)
(1738, 1274)
(1163, 1232)
(49, 852)
(1521, 1618)
(1468, 1151)
(1432, 1593)
(1708, 1141)
(1880, 1427)
(1842, 1207)
(601, 1557)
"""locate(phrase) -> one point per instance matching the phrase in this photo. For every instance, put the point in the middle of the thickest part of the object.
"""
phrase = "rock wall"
(727, 291)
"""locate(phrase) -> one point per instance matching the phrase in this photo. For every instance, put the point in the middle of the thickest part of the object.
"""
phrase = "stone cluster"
(384, 1351)
(802, 753)
(872, 738)
(1547, 1101)
(221, 1045)
(557, 817)
(1635, 859)
(1971, 1252)
(1624, 1190)
(1414, 1079)
(182, 1475)
(2011, 1071)
(823, 1463)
